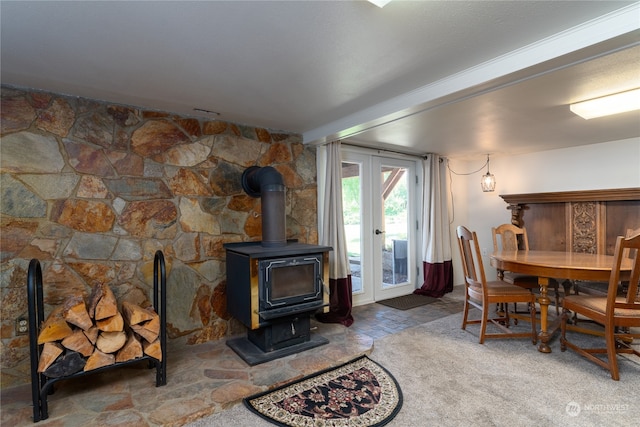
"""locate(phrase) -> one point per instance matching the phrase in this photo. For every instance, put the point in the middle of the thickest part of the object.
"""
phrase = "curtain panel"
(331, 233)
(437, 266)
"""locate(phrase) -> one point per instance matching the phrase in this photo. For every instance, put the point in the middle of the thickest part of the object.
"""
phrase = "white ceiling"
(458, 78)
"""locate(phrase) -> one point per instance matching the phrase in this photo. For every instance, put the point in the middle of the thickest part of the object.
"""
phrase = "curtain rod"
(420, 156)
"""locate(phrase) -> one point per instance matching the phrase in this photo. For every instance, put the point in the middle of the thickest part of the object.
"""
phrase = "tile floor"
(210, 377)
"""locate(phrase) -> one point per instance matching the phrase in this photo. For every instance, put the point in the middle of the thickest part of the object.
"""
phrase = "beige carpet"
(448, 379)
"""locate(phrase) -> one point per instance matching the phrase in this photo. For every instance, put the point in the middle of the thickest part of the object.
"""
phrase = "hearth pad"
(253, 355)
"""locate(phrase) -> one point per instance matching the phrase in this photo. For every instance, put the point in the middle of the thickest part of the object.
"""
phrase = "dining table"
(550, 265)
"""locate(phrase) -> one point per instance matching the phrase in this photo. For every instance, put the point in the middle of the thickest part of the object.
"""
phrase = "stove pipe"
(267, 183)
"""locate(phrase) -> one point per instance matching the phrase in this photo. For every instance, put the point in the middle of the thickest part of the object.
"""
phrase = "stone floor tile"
(210, 377)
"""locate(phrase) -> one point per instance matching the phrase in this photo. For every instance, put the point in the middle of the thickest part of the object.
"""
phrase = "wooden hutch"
(577, 221)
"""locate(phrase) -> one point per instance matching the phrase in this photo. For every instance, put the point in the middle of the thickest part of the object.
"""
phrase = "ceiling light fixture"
(379, 3)
(488, 182)
(608, 105)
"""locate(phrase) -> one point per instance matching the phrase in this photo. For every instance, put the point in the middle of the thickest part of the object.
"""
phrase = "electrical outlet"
(22, 326)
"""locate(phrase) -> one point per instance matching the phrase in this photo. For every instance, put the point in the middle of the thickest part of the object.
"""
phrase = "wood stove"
(274, 292)
(276, 285)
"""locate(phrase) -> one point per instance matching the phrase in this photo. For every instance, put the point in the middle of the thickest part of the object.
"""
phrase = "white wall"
(613, 164)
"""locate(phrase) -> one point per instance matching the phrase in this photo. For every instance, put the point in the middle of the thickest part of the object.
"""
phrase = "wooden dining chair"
(482, 294)
(617, 313)
(509, 237)
(600, 288)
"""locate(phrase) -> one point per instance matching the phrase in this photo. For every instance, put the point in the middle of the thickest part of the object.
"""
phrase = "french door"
(379, 196)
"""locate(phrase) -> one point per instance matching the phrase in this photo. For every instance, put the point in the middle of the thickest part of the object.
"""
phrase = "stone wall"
(93, 189)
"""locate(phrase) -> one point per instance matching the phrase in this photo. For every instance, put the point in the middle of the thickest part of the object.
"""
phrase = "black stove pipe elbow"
(267, 183)
(255, 177)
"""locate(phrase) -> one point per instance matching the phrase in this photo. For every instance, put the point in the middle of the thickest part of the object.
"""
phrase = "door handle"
(378, 231)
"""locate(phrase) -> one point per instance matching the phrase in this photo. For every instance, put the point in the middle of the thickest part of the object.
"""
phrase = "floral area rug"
(358, 393)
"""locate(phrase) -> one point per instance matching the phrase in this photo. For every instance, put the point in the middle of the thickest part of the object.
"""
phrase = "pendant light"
(488, 182)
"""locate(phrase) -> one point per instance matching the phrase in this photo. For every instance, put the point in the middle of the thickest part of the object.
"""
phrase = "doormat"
(358, 393)
(406, 302)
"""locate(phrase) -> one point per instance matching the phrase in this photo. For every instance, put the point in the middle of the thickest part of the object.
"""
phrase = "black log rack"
(41, 385)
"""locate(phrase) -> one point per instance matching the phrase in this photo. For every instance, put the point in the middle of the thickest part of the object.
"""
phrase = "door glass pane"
(396, 221)
(351, 203)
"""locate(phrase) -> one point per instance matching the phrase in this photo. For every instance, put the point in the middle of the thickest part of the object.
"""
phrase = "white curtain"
(331, 233)
(436, 246)
(330, 216)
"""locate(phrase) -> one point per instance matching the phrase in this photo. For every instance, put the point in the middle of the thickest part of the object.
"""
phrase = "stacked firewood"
(84, 336)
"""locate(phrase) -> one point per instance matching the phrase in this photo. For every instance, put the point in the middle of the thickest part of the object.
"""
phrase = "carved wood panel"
(585, 228)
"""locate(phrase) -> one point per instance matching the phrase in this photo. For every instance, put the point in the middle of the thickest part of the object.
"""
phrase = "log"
(132, 349)
(50, 352)
(148, 329)
(99, 359)
(68, 364)
(136, 314)
(94, 297)
(153, 349)
(79, 342)
(153, 325)
(149, 336)
(75, 312)
(102, 302)
(107, 306)
(92, 334)
(110, 342)
(111, 324)
(55, 328)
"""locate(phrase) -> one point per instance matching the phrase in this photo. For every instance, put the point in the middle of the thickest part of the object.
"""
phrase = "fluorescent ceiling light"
(608, 105)
(379, 3)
